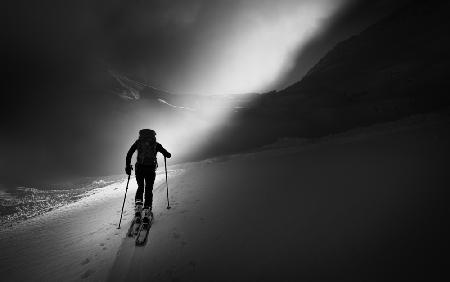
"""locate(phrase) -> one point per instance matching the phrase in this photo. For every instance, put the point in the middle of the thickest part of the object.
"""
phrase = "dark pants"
(145, 174)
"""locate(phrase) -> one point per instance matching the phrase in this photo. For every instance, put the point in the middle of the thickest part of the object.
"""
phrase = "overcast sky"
(197, 46)
(56, 54)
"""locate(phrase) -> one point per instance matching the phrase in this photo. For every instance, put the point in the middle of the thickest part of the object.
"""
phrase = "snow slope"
(77, 241)
(365, 205)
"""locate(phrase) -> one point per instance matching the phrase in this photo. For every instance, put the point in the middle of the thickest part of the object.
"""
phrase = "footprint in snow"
(192, 264)
(84, 262)
(87, 273)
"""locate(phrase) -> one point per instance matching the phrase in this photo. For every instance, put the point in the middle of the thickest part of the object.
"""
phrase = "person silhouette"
(147, 148)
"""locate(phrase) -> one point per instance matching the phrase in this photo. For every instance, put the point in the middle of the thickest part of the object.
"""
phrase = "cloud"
(199, 46)
(213, 47)
(57, 112)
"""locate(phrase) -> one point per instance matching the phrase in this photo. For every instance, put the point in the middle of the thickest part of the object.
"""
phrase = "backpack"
(146, 147)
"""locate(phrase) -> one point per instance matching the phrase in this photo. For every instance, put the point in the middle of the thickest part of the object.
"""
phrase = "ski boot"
(136, 223)
(138, 211)
(148, 216)
(144, 229)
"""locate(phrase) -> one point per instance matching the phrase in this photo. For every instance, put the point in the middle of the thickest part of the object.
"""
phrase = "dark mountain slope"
(406, 50)
(397, 67)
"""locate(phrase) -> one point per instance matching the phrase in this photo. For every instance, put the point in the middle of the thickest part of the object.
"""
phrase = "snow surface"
(364, 205)
(26, 202)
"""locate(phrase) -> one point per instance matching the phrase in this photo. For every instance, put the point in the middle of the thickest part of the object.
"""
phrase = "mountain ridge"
(397, 67)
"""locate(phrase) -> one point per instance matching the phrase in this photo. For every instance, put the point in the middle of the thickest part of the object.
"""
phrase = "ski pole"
(126, 189)
(167, 183)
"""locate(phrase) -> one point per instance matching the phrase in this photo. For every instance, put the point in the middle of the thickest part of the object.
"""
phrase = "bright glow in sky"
(260, 45)
(257, 46)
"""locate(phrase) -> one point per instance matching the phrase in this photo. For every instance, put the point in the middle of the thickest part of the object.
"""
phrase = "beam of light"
(261, 44)
(183, 130)
(258, 48)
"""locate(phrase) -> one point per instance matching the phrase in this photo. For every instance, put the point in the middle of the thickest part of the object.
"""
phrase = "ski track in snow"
(219, 217)
(291, 212)
(78, 241)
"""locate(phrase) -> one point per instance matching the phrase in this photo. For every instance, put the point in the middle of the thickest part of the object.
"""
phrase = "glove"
(128, 169)
(168, 155)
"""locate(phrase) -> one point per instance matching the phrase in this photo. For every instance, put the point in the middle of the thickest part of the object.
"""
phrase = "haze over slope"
(394, 68)
(72, 117)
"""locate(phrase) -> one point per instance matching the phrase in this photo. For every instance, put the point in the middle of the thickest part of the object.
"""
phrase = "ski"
(134, 227)
(142, 234)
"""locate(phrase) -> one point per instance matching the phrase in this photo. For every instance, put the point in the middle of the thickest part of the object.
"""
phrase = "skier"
(146, 165)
